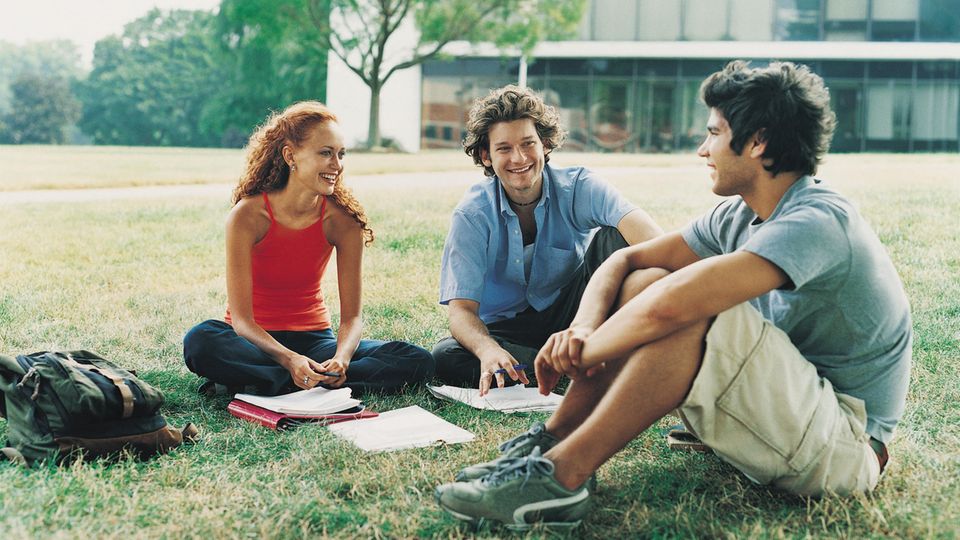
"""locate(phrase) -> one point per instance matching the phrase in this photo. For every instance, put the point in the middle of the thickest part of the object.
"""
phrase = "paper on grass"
(316, 401)
(409, 427)
(511, 399)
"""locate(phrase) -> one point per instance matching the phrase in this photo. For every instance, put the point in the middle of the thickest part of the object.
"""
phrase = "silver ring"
(306, 380)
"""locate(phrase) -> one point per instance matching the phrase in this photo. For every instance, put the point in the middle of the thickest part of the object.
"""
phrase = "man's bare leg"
(653, 381)
(583, 395)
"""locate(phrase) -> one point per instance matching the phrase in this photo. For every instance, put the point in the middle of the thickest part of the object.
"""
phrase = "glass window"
(614, 21)
(569, 96)
(654, 68)
(442, 111)
(939, 20)
(893, 30)
(842, 69)
(536, 67)
(611, 127)
(891, 70)
(658, 20)
(888, 111)
(845, 30)
(700, 68)
(894, 20)
(845, 20)
(568, 67)
(895, 10)
(798, 20)
(474, 67)
(845, 102)
(935, 108)
(693, 116)
(442, 67)
(612, 67)
(846, 10)
(937, 70)
(705, 20)
(751, 20)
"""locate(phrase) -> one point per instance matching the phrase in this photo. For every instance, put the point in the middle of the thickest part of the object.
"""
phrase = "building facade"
(629, 81)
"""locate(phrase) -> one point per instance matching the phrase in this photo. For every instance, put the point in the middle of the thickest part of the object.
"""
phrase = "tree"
(152, 84)
(41, 107)
(358, 32)
(57, 59)
(272, 58)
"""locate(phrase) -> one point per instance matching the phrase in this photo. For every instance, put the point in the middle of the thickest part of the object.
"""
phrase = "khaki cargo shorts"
(764, 409)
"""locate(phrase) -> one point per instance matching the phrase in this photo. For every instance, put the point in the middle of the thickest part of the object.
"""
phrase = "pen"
(517, 367)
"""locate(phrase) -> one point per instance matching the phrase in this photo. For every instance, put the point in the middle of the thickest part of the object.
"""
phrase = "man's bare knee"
(637, 281)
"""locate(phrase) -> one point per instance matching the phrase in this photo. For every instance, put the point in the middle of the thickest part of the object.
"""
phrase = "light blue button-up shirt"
(483, 253)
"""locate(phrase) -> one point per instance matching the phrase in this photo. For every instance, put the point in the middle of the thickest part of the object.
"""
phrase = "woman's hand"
(305, 372)
(334, 365)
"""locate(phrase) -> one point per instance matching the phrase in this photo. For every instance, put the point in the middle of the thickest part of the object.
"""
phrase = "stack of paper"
(511, 399)
(410, 427)
(315, 401)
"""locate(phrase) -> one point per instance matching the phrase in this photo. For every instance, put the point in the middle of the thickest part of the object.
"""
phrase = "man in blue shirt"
(522, 243)
(775, 325)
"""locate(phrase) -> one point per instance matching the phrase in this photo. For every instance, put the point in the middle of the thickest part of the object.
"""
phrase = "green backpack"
(58, 403)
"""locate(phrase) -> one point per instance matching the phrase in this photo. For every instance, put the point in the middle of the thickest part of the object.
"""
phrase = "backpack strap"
(13, 455)
(118, 381)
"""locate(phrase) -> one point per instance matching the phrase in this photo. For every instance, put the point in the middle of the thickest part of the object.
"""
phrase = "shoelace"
(534, 431)
(520, 466)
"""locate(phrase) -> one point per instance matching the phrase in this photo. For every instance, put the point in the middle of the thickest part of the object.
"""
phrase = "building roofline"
(807, 50)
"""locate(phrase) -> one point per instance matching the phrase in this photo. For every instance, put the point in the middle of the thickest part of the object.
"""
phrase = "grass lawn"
(127, 278)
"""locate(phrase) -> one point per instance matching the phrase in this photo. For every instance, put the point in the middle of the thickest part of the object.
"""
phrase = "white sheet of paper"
(317, 400)
(409, 427)
(515, 398)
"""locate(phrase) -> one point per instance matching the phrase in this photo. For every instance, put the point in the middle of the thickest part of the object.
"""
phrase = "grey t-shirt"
(844, 309)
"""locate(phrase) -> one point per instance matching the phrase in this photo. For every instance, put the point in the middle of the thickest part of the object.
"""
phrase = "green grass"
(127, 278)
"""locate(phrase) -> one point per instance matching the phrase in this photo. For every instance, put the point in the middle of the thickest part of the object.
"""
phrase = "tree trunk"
(373, 128)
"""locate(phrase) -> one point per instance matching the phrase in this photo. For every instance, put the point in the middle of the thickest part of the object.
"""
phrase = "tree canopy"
(272, 55)
(41, 108)
(37, 103)
(151, 85)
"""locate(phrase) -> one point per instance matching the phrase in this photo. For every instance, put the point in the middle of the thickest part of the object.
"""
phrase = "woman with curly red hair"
(290, 211)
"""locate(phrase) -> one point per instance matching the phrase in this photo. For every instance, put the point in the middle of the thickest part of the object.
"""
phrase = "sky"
(81, 21)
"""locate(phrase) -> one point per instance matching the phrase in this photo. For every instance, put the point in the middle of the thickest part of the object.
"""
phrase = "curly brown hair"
(507, 104)
(267, 171)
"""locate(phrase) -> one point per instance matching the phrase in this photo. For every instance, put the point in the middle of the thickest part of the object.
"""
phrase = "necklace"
(515, 203)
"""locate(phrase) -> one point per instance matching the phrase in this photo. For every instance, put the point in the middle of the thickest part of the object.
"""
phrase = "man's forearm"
(470, 332)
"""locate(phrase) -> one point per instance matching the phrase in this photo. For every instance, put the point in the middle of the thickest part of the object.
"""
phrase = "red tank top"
(287, 267)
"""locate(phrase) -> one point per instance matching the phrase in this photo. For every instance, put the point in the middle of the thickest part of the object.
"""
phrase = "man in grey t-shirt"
(776, 326)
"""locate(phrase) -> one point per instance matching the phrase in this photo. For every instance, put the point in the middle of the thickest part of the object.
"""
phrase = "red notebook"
(275, 420)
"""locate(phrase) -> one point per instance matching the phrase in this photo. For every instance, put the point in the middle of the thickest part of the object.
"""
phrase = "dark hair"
(505, 105)
(787, 105)
(267, 170)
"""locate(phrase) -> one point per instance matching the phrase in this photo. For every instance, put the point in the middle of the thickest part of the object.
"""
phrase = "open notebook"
(317, 405)
(517, 398)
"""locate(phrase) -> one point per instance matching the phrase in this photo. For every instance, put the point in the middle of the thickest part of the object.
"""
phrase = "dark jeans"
(523, 335)
(212, 349)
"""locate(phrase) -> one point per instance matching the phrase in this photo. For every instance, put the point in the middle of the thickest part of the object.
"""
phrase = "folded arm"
(695, 292)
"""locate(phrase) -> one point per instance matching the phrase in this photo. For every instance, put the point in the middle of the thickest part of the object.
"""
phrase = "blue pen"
(517, 367)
